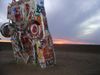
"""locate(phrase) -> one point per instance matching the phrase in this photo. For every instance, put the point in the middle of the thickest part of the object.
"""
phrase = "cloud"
(72, 19)
(86, 5)
(66, 41)
(89, 29)
(90, 26)
(52, 6)
(3, 10)
(3, 19)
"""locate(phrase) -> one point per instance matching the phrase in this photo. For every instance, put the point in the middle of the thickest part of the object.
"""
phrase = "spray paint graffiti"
(30, 36)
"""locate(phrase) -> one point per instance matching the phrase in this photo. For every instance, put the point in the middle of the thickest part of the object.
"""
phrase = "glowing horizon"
(65, 41)
(5, 41)
(57, 41)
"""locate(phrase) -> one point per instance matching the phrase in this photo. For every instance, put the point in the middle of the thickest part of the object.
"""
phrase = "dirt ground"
(71, 60)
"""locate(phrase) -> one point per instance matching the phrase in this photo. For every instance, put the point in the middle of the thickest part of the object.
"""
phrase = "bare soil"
(71, 60)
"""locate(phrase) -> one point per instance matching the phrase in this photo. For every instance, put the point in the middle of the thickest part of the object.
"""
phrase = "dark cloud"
(66, 21)
(72, 19)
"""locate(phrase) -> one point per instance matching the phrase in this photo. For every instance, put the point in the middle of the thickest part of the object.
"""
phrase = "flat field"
(71, 60)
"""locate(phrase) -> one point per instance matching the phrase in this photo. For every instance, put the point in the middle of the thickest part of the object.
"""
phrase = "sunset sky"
(69, 21)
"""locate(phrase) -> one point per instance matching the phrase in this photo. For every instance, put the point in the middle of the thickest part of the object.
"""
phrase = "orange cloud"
(65, 41)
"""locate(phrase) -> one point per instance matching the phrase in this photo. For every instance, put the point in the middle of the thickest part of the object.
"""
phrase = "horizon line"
(56, 42)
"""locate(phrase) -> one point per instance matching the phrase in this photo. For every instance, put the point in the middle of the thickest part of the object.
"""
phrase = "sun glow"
(65, 41)
(56, 41)
(5, 41)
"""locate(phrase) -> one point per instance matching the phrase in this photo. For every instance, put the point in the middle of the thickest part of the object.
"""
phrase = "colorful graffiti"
(28, 28)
